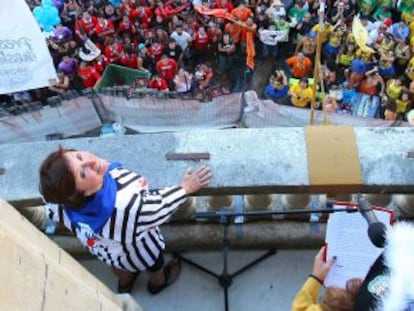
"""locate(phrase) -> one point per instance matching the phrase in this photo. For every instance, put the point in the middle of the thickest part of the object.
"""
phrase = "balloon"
(115, 3)
(47, 15)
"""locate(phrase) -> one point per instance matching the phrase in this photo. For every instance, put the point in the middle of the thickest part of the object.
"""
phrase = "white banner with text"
(25, 61)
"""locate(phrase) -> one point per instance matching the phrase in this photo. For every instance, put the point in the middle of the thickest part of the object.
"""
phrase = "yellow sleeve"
(309, 93)
(305, 299)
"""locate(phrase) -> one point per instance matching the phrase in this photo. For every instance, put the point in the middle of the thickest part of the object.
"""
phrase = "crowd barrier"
(150, 111)
(62, 117)
(160, 112)
(260, 113)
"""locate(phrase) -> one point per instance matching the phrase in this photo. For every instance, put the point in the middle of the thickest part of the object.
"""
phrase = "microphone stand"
(225, 279)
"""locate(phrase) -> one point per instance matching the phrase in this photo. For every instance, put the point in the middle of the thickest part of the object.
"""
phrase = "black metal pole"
(230, 213)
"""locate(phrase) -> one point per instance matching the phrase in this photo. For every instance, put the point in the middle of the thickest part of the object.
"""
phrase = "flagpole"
(316, 69)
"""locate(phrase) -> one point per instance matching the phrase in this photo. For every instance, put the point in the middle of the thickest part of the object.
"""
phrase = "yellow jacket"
(303, 96)
(306, 298)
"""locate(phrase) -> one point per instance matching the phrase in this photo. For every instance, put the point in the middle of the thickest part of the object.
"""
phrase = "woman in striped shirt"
(114, 215)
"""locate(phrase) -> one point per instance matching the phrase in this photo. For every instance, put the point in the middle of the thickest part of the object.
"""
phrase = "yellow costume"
(402, 106)
(392, 90)
(327, 28)
(410, 69)
(305, 299)
(303, 96)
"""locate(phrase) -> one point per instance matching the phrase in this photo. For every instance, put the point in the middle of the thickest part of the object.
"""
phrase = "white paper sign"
(272, 37)
(347, 238)
(25, 61)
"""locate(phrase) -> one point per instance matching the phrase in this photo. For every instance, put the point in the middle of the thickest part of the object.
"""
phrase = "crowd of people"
(185, 49)
(180, 49)
(369, 79)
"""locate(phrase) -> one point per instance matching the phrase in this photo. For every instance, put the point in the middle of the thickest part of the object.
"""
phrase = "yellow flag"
(360, 34)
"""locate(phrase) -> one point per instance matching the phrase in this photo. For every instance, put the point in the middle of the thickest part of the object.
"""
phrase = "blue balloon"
(115, 3)
(47, 15)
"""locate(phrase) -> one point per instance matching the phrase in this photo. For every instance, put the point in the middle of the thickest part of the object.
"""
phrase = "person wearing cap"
(301, 93)
(68, 65)
(334, 298)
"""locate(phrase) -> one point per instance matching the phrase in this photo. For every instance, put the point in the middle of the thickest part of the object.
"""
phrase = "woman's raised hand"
(194, 180)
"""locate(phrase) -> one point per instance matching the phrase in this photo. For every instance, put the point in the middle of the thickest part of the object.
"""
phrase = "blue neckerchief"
(100, 207)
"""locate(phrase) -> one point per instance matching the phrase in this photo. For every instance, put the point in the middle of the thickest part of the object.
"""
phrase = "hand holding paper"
(320, 267)
(347, 238)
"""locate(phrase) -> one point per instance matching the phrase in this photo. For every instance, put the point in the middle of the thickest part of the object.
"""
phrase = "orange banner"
(220, 13)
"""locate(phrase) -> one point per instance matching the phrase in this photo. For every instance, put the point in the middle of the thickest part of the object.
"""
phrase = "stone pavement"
(270, 285)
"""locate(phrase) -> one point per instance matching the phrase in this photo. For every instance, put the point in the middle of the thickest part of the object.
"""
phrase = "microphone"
(376, 234)
(376, 229)
(366, 211)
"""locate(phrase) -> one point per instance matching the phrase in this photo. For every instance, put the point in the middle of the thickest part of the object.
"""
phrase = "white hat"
(410, 117)
(89, 51)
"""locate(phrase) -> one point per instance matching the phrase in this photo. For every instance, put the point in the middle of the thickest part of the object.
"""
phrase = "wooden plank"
(333, 159)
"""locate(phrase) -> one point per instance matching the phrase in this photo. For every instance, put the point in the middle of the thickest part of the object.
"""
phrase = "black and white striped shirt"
(130, 239)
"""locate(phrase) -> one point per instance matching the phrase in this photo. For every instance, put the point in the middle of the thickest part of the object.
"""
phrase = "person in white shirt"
(183, 81)
(376, 33)
(182, 37)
